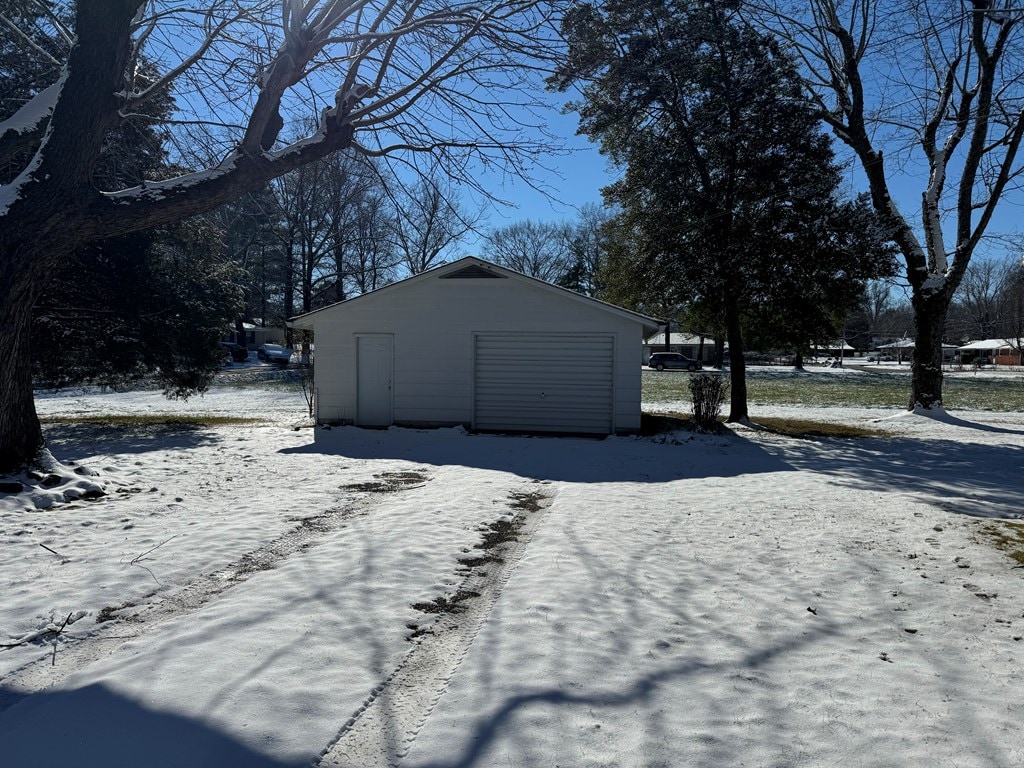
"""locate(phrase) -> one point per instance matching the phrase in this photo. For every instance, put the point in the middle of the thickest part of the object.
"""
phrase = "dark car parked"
(274, 353)
(239, 354)
(661, 361)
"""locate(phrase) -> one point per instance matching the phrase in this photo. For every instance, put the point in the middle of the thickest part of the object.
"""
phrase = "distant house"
(683, 343)
(836, 348)
(897, 350)
(255, 335)
(903, 350)
(479, 345)
(991, 352)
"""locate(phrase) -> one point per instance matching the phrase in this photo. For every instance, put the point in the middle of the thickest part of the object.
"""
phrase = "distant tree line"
(988, 305)
(334, 229)
(343, 226)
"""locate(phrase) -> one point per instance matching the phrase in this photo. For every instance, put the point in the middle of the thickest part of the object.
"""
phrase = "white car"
(274, 353)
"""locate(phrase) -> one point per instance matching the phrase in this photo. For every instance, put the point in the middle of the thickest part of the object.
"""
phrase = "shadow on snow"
(81, 442)
(95, 727)
(947, 418)
(974, 479)
(578, 460)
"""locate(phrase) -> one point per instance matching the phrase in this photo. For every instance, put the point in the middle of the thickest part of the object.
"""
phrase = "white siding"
(434, 322)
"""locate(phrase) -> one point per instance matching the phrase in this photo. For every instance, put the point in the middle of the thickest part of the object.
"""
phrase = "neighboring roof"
(658, 339)
(901, 344)
(835, 344)
(990, 344)
(472, 266)
(909, 344)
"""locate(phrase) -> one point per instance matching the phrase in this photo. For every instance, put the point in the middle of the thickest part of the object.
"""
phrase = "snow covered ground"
(261, 595)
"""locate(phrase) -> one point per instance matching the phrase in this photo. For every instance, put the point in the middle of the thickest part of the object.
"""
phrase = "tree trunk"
(20, 434)
(926, 364)
(32, 247)
(719, 352)
(737, 366)
(798, 360)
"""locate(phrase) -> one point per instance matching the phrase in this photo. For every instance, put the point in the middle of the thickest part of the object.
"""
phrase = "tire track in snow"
(381, 731)
(105, 639)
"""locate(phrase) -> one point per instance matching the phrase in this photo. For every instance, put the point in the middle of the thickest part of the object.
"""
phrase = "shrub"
(308, 390)
(708, 391)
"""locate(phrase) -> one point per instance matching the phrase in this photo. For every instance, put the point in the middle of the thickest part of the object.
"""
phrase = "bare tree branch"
(455, 81)
(938, 87)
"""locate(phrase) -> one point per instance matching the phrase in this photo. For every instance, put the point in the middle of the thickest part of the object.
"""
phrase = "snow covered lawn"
(258, 595)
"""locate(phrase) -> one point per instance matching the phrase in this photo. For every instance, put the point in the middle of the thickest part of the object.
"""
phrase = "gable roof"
(990, 344)
(471, 267)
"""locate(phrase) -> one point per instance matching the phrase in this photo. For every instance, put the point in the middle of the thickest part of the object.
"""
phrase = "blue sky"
(573, 178)
(584, 171)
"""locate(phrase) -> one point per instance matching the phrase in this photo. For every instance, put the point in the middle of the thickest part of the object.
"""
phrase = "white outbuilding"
(471, 343)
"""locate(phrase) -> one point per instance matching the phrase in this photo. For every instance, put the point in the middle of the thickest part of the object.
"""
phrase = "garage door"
(544, 382)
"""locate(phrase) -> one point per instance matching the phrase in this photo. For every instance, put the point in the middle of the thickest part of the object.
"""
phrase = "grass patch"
(806, 428)
(652, 424)
(868, 389)
(388, 482)
(444, 604)
(791, 388)
(1008, 537)
(500, 532)
(153, 420)
(983, 394)
(824, 390)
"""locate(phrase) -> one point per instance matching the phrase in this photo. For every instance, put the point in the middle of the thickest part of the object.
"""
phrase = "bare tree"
(930, 90)
(587, 250)
(371, 260)
(1011, 295)
(350, 184)
(321, 206)
(303, 199)
(535, 248)
(979, 300)
(877, 301)
(428, 221)
(381, 77)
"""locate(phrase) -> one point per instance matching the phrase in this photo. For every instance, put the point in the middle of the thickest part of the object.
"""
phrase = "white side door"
(374, 368)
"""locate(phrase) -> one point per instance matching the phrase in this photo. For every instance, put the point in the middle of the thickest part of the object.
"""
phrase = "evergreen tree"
(812, 294)
(114, 317)
(729, 191)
